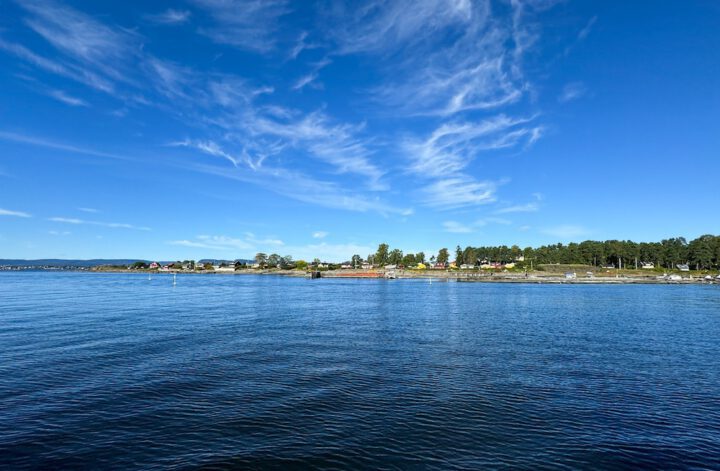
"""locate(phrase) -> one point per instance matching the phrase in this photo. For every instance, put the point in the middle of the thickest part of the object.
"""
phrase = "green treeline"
(701, 253)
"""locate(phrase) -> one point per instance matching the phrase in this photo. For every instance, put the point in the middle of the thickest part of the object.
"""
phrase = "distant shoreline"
(537, 277)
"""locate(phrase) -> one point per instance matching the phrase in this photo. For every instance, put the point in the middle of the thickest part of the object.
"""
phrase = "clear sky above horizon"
(221, 128)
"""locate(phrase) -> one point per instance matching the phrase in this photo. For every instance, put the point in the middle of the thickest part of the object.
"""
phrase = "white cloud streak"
(572, 91)
(456, 227)
(458, 192)
(445, 155)
(111, 225)
(305, 80)
(229, 244)
(19, 214)
(452, 146)
(443, 61)
(63, 97)
(35, 141)
(520, 208)
(478, 69)
(334, 144)
(88, 42)
(170, 17)
(531, 207)
(246, 24)
(208, 147)
(586, 30)
(309, 190)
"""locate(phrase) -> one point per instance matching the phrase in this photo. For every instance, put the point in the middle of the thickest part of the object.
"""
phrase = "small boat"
(390, 275)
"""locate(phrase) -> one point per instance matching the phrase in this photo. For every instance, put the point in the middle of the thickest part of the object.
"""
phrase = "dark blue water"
(116, 371)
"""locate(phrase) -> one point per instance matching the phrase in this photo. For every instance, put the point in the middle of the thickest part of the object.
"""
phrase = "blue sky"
(220, 128)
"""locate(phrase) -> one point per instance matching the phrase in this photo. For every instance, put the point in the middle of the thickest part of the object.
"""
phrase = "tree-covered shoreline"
(700, 253)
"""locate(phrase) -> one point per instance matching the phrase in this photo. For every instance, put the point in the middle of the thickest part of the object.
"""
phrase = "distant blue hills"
(57, 262)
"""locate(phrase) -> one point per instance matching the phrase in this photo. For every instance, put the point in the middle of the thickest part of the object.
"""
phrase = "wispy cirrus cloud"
(572, 91)
(301, 45)
(228, 243)
(582, 34)
(301, 187)
(41, 142)
(310, 78)
(170, 16)
(335, 144)
(319, 234)
(520, 208)
(70, 71)
(585, 32)
(305, 80)
(479, 69)
(375, 26)
(445, 60)
(456, 227)
(452, 146)
(19, 214)
(81, 38)
(446, 153)
(112, 225)
(448, 64)
(458, 192)
(63, 97)
(253, 239)
(246, 24)
(530, 207)
(89, 210)
(208, 147)
(250, 133)
(223, 243)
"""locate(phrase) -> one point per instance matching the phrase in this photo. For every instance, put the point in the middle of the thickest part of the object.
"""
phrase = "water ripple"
(118, 371)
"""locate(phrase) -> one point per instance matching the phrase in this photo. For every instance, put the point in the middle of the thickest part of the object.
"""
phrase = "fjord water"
(117, 371)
